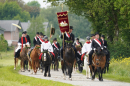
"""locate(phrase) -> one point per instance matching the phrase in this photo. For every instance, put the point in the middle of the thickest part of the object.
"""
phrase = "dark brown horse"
(34, 56)
(56, 60)
(98, 64)
(68, 60)
(46, 61)
(22, 57)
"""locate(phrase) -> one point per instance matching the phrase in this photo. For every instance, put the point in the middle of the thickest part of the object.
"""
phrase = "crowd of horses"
(67, 64)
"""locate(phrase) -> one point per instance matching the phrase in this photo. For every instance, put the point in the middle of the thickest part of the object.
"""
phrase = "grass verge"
(11, 77)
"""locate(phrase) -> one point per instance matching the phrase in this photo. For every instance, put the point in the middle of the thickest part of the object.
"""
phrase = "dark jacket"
(28, 38)
(36, 41)
(95, 44)
(79, 43)
(57, 44)
(104, 43)
(25, 40)
(72, 37)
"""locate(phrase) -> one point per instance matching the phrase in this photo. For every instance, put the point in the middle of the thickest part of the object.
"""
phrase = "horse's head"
(68, 45)
(78, 47)
(98, 50)
(37, 49)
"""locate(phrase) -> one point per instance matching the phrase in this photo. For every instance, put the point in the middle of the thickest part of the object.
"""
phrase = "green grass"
(119, 70)
(11, 77)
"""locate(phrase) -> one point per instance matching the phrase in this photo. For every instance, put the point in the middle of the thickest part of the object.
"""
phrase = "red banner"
(63, 21)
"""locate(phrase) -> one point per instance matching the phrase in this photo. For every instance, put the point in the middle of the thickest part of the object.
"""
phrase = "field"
(10, 77)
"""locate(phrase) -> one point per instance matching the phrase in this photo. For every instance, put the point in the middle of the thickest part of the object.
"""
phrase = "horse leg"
(101, 78)
(33, 66)
(49, 75)
(14, 63)
(70, 71)
(45, 74)
(23, 65)
(63, 70)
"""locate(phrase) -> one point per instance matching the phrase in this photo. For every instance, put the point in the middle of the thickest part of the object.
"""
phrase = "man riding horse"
(21, 43)
(78, 46)
(56, 45)
(95, 44)
(68, 36)
(105, 49)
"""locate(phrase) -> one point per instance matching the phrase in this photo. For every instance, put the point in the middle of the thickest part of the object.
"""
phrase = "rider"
(67, 36)
(56, 45)
(105, 48)
(78, 44)
(22, 41)
(36, 40)
(95, 44)
(85, 49)
(46, 45)
(28, 38)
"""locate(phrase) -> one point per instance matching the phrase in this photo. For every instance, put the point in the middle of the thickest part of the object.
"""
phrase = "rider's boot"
(82, 63)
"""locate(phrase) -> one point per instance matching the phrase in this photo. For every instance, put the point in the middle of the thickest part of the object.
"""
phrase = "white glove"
(94, 49)
(102, 48)
(105, 46)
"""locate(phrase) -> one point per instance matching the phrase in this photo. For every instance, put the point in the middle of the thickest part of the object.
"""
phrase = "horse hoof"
(32, 73)
(64, 78)
(49, 75)
(70, 79)
(14, 68)
(45, 75)
(28, 70)
(101, 79)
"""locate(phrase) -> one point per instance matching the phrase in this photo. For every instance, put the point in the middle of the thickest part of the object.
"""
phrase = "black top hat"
(77, 38)
(92, 35)
(96, 33)
(71, 27)
(40, 33)
(37, 33)
(55, 39)
(103, 36)
(23, 32)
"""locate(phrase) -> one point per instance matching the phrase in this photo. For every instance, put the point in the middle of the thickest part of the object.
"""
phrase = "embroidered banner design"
(63, 21)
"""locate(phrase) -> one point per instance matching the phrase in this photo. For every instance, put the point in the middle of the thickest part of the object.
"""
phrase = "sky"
(43, 4)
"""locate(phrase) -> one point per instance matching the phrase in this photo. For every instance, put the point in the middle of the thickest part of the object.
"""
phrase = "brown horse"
(22, 57)
(98, 64)
(34, 56)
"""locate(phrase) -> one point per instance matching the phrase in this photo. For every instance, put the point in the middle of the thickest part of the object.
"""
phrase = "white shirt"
(86, 48)
(46, 46)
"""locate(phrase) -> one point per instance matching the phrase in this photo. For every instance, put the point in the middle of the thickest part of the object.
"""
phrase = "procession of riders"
(88, 48)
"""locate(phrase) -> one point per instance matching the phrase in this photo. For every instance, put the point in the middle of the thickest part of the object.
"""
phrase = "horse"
(34, 58)
(56, 63)
(98, 64)
(46, 61)
(68, 60)
(22, 57)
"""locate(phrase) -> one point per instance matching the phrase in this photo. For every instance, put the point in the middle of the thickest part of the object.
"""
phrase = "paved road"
(77, 79)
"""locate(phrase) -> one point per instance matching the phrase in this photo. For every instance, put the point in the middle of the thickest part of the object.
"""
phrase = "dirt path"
(77, 79)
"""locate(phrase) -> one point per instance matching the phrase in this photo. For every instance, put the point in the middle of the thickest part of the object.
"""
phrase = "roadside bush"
(3, 43)
(119, 49)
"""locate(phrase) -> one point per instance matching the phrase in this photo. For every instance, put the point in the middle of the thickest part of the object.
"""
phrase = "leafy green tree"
(33, 4)
(36, 26)
(34, 8)
(11, 10)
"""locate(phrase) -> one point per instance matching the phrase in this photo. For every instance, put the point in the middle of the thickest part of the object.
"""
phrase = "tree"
(36, 26)
(80, 24)
(33, 4)
(107, 16)
(11, 10)
(34, 8)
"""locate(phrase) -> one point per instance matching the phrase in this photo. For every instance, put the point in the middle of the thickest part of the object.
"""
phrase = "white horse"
(88, 74)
